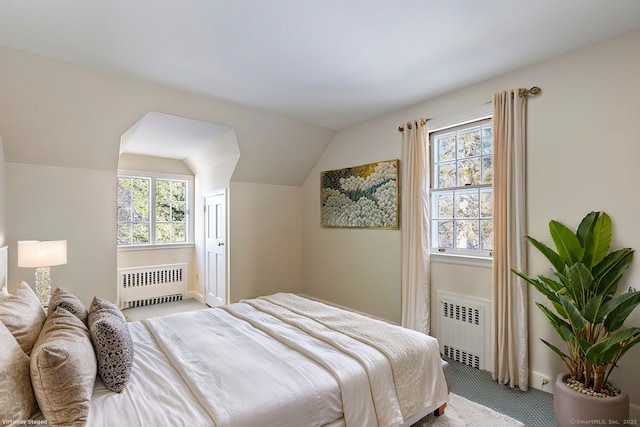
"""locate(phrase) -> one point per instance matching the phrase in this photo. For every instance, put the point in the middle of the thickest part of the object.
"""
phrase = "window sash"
(158, 228)
(462, 195)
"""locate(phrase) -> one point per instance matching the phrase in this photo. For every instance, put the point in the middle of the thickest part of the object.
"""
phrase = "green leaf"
(557, 323)
(597, 240)
(604, 351)
(624, 304)
(567, 243)
(556, 260)
(586, 226)
(593, 310)
(575, 318)
(555, 349)
(578, 282)
(609, 271)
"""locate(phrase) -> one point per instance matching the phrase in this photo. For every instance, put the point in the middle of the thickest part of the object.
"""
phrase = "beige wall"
(265, 239)
(582, 155)
(57, 203)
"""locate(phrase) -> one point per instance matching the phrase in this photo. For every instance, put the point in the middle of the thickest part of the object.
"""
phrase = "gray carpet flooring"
(534, 408)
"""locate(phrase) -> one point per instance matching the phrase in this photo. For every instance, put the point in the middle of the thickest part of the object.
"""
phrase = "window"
(462, 192)
(152, 210)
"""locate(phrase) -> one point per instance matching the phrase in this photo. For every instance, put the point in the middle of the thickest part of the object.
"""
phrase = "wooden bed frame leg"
(440, 410)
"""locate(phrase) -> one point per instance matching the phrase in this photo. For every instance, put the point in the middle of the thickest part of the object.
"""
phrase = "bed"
(279, 360)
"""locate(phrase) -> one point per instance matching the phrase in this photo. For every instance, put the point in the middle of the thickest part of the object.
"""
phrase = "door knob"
(220, 243)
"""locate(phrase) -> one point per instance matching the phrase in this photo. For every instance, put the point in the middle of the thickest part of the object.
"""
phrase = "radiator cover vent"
(464, 329)
(155, 284)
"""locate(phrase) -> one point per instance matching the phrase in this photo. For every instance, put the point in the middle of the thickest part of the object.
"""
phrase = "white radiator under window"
(155, 284)
(464, 329)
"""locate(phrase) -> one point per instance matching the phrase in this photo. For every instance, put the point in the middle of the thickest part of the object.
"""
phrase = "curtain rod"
(409, 125)
(526, 92)
(534, 90)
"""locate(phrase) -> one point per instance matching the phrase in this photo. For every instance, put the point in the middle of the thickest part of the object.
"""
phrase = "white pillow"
(23, 315)
(63, 370)
(16, 400)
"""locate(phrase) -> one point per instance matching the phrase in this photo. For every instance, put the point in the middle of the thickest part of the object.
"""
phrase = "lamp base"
(43, 285)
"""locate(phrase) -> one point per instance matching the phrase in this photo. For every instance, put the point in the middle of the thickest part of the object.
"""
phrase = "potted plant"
(588, 316)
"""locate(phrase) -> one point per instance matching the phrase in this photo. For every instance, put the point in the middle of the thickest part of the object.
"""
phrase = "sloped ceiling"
(283, 74)
(331, 63)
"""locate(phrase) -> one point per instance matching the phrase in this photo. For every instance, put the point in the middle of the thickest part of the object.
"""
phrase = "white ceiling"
(332, 63)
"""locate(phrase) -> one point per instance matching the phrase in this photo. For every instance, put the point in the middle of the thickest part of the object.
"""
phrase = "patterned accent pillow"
(99, 305)
(23, 315)
(63, 370)
(112, 343)
(16, 400)
(68, 301)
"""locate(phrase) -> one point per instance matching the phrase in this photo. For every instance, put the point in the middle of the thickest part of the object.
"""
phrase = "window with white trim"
(462, 189)
(152, 210)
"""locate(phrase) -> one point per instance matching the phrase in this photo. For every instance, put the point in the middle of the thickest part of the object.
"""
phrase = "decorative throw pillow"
(68, 301)
(23, 316)
(112, 343)
(63, 369)
(16, 400)
(99, 305)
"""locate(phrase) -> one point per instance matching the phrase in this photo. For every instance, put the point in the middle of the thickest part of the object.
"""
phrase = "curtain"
(511, 364)
(415, 177)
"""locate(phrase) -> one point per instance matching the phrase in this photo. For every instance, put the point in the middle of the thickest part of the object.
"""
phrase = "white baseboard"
(195, 295)
(540, 382)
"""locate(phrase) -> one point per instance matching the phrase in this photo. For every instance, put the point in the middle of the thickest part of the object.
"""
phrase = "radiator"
(155, 284)
(464, 329)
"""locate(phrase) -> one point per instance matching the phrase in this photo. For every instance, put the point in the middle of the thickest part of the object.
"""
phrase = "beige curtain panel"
(414, 227)
(511, 361)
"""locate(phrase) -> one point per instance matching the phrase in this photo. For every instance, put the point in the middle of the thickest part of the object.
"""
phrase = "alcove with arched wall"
(169, 145)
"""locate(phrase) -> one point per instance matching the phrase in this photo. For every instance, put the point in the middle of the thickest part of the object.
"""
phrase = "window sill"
(155, 247)
(469, 260)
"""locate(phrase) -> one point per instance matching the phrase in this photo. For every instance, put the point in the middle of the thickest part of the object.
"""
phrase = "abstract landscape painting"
(361, 197)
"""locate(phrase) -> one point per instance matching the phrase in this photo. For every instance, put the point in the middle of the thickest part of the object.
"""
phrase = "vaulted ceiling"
(284, 75)
(332, 63)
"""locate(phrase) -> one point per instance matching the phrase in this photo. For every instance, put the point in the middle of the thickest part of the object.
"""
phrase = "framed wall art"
(361, 197)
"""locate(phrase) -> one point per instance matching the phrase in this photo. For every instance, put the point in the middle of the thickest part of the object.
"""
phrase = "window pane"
(446, 175)
(445, 234)
(163, 190)
(140, 211)
(140, 234)
(125, 236)
(178, 211)
(178, 233)
(446, 146)
(469, 143)
(487, 140)
(163, 233)
(124, 189)
(467, 204)
(163, 212)
(140, 188)
(467, 234)
(486, 235)
(124, 212)
(469, 172)
(487, 170)
(486, 203)
(178, 191)
(444, 205)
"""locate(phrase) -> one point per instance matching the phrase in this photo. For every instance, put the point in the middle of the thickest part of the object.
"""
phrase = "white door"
(215, 250)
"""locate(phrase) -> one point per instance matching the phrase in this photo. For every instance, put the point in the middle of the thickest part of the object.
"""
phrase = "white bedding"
(266, 362)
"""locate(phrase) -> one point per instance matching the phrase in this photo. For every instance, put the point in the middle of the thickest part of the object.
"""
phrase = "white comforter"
(275, 361)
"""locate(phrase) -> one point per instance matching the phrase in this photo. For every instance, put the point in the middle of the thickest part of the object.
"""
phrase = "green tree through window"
(151, 217)
(462, 193)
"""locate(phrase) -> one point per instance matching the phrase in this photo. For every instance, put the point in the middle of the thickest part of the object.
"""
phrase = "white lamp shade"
(33, 253)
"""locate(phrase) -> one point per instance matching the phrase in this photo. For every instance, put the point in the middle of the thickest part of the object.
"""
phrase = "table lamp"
(41, 256)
